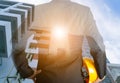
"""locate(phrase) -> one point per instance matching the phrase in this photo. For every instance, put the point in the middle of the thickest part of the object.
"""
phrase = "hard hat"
(91, 74)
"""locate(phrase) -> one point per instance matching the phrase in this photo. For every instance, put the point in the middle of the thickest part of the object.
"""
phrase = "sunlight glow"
(59, 32)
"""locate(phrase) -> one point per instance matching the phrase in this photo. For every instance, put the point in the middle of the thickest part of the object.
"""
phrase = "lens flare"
(59, 32)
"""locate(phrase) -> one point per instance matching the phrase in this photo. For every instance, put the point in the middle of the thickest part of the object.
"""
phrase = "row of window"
(15, 18)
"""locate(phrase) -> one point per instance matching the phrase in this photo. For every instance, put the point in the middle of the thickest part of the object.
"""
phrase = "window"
(2, 40)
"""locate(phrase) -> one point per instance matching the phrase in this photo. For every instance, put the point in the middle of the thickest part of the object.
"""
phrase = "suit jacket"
(64, 68)
(78, 21)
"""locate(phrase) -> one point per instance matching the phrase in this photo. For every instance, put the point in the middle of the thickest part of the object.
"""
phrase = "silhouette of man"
(66, 66)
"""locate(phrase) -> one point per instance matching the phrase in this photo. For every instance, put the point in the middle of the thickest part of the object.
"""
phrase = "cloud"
(108, 25)
(113, 52)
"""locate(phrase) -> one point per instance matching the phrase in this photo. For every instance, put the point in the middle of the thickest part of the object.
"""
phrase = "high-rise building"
(20, 15)
(15, 19)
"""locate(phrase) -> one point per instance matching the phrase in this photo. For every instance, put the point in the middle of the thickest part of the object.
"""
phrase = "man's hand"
(99, 80)
(35, 73)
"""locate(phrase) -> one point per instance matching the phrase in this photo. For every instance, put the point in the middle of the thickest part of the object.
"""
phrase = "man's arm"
(21, 64)
(97, 48)
(20, 61)
(99, 57)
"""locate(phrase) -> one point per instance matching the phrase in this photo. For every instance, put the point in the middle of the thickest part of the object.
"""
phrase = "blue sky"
(114, 5)
(107, 16)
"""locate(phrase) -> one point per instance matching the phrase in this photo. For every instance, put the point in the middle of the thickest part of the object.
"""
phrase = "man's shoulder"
(74, 5)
